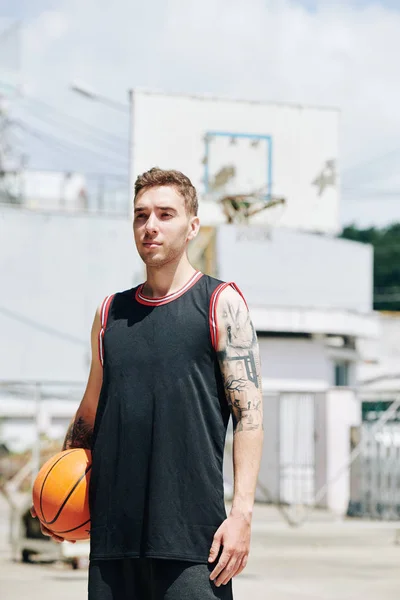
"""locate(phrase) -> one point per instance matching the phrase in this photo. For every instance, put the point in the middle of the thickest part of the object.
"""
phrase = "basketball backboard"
(234, 148)
(227, 158)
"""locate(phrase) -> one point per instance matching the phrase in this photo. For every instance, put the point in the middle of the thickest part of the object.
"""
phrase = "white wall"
(55, 270)
(299, 269)
(294, 360)
(382, 355)
(326, 439)
(294, 364)
(55, 191)
(169, 131)
(342, 412)
(22, 420)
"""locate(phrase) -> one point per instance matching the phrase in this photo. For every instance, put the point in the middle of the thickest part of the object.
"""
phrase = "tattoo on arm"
(238, 356)
(79, 435)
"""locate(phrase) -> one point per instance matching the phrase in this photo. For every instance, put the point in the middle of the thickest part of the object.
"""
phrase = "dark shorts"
(153, 579)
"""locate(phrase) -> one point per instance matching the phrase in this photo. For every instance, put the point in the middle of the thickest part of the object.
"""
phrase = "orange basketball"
(60, 494)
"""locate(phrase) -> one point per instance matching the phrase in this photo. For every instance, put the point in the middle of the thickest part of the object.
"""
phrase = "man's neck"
(167, 279)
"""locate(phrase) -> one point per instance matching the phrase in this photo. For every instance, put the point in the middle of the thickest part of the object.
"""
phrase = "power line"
(371, 161)
(50, 141)
(88, 174)
(64, 146)
(19, 142)
(73, 122)
(98, 140)
(42, 328)
(76, 120)
(372, 197)
(90, 95)
(41, 104)
(370, 192)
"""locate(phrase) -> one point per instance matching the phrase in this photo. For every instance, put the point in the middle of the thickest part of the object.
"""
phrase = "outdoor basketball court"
(322, 560)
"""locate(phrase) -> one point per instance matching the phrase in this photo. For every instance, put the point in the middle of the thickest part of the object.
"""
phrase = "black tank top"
(157, 484)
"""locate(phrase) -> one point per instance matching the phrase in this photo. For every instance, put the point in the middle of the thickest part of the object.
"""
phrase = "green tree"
(386, 243)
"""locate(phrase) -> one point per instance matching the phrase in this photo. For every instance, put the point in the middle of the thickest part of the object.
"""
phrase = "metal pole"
(36, 444)
(100, 193)
(321, 493)
(91, 95)
(131, 182)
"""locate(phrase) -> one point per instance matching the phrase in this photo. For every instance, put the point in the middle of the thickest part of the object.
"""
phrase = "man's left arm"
(238, 356)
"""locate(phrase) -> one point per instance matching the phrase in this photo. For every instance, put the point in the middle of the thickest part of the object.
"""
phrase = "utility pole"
(3, 149)
(10, 66)
(88, 93)
(10, 164)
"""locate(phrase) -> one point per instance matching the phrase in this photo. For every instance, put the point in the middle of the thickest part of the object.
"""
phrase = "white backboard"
(237, 147)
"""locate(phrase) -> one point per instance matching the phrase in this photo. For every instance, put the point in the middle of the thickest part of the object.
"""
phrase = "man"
(171, 360)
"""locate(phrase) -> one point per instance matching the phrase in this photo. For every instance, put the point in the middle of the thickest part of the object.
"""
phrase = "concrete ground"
(322, 560)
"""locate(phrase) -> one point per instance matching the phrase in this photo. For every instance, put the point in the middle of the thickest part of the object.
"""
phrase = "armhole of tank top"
(105, 307)
(213, 310)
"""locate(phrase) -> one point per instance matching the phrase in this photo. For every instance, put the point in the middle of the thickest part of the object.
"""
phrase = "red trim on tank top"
(105, 307)
(170, 297)
(213, 310)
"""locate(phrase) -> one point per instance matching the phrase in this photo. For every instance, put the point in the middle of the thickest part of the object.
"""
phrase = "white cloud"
(337, 56)
(55, 24)
(39, 35)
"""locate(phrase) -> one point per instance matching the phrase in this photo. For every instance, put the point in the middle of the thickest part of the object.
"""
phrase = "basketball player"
(171, 360)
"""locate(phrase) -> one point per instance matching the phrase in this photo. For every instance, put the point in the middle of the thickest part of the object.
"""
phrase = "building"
(310, 294)
(53, 190)
(230, 147)
(381, 356)
(375, 490)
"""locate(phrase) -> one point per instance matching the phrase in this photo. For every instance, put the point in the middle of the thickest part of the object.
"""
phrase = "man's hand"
(234, 535)
(46, 531)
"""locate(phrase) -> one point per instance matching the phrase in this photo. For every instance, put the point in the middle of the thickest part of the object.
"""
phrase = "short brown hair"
(157, 177)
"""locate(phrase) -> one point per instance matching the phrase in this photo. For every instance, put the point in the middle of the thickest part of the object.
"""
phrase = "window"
(342, 374)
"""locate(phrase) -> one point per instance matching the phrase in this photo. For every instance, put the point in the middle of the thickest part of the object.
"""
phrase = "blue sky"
(339, 53)
(23, 9)
(28, 8)
(314, 5)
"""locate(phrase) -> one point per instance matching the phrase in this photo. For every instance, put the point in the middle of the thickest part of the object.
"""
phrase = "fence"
(65, 192)
(33, 419)
(288, 473)
(375, 474)
(297, 433)
(306, 455)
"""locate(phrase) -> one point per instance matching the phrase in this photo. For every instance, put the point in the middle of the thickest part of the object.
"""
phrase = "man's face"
(161, 226)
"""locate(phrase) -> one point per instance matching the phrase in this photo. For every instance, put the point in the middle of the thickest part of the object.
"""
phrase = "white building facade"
(231, 146)
(309, 293)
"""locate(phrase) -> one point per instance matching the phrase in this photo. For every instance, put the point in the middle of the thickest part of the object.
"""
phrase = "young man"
(171, 360)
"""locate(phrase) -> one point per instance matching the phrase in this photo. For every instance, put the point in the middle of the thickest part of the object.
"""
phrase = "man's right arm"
(80, 430)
